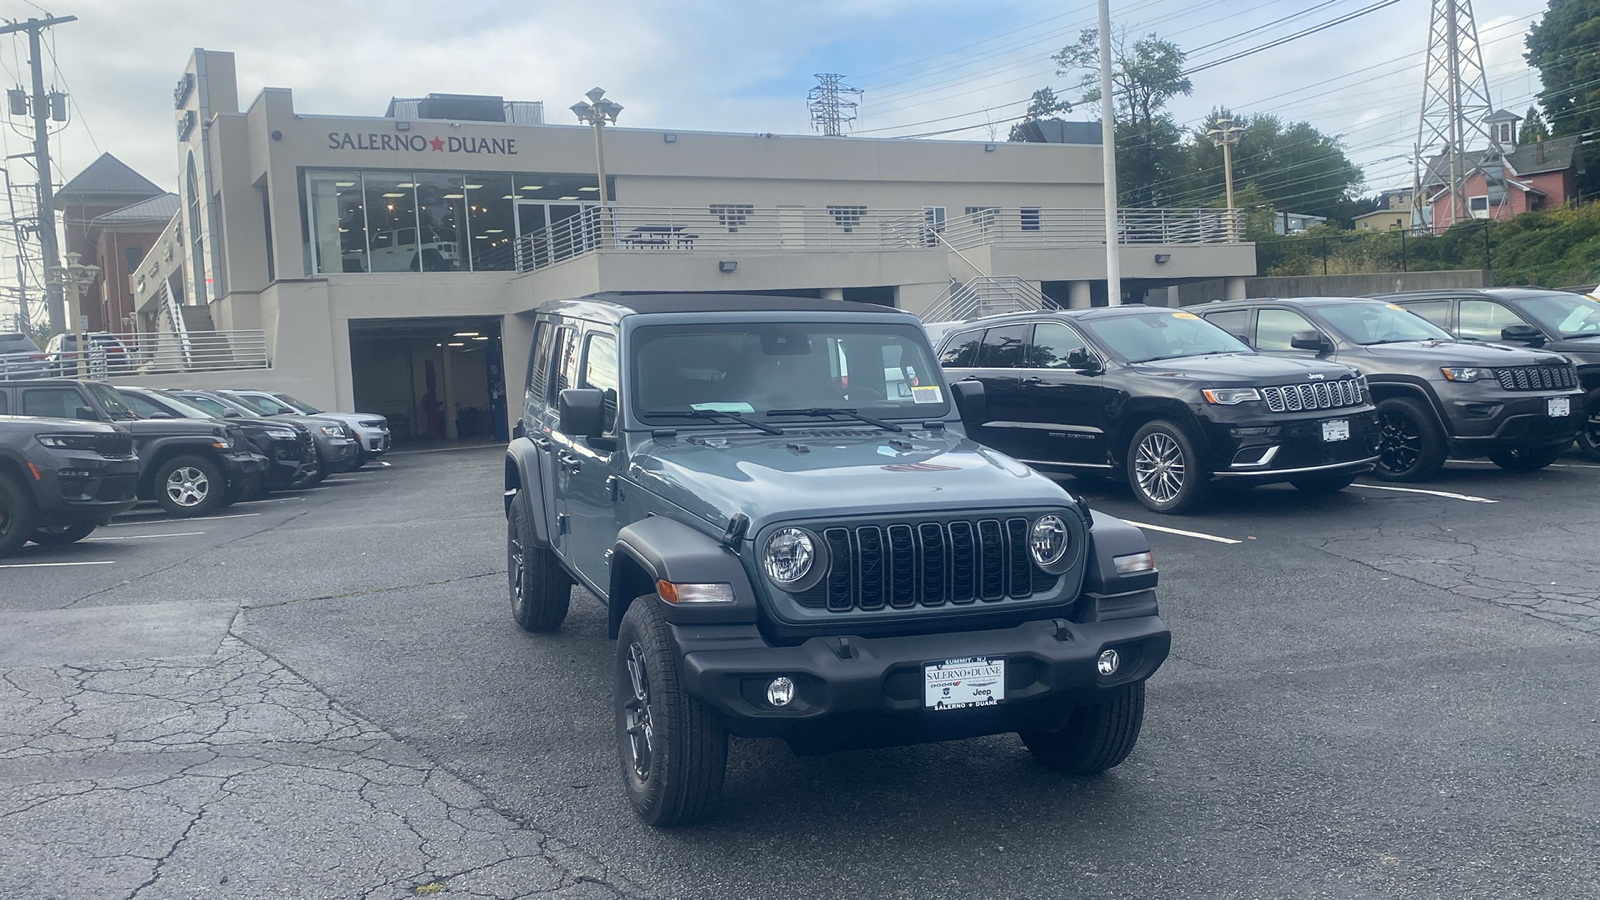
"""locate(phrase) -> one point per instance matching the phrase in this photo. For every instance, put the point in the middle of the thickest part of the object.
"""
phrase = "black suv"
(1559, 321)
(1162, 398)
(1436, 396)
(60, 478)
(789, 546)
(186, 465)
(288, 447)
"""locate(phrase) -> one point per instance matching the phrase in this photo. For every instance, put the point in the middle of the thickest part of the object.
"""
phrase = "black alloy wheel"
(1409, 445)
(1589, 437)
(541, 592)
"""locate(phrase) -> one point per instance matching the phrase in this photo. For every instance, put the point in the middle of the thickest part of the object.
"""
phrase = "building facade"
(389, 259)
(111, 216)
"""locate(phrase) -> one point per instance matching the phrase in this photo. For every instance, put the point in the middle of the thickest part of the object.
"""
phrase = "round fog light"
(780, 691)
(1107, 664)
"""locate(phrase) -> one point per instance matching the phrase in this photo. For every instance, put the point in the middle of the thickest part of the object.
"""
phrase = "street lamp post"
(1225, 134)
(77, 277)
(597, 111)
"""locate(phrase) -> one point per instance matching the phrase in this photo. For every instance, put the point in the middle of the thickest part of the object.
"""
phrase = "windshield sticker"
(926, 393)
(723, 407)
(1184, 316)
(1395, 307)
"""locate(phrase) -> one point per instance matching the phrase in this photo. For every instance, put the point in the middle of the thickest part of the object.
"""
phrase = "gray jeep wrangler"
(777, 503)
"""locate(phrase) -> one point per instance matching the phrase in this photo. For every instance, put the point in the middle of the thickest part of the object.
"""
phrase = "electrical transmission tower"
(831, 110)
(1455, 109)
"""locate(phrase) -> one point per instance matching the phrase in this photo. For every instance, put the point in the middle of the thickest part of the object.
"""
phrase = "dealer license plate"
(1336, 430)
(1559, 406)
(960, 683)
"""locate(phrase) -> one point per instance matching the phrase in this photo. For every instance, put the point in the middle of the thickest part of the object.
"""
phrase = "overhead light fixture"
(481, 337)
(530, 187)
(402, 126)
(1163, 257)
(493, 230)
(474, 187)
(466, 334)
(511, 197)
(988, 148)
(566, 198)
(344, 184)
(454, 196)
(588, 189)
(457, 343)
(670, 138)
(727, 265)
(393, 194)
(406, 184)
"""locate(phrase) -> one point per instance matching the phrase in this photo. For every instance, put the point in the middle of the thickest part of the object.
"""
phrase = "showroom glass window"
(392, 221)
(340, 221)
(441, 222)
(489, 207)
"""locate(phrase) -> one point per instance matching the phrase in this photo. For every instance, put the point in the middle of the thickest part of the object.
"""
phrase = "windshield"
(111, 400)
(188, 408)
(213, 408)
(299, 405)
(262, 405)
(1143, 338)
(1570, 315)
(1370, 322)
(881, 369)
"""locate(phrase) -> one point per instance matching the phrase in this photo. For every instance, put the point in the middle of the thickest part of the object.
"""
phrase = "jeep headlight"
(1048, 542)
(332, 430)
(280, 434)
(1230, 396)
(789, 557)
(1466, 373)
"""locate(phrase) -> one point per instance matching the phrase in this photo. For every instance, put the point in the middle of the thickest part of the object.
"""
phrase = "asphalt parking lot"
(1384, 693)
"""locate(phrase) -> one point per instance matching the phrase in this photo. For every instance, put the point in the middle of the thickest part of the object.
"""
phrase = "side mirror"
(970, 402)
(232, 414)
(518, 430)
(1523, 333)
(161, 415)
(86, 412)
(1081, 359)
(1308, 340)
(582, 412)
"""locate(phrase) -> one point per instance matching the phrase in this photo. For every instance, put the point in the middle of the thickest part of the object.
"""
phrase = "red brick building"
(1505, 180)
(111, 217)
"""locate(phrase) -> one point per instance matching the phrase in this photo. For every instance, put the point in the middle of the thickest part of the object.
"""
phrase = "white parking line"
(97, 562)
(1446, 494)
(1485, 462)
(141, 537)
(1193, 534)
(163, 521)
(275, 500)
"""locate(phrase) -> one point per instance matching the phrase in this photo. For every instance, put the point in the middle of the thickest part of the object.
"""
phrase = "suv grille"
(1537, 378)
(1313, 395)
(903, 566)
(114, 446)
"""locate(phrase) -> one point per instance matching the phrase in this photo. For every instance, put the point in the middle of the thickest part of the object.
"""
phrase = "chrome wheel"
(1399, 441)
(636, 713)
(1159, 467)
(188, 486)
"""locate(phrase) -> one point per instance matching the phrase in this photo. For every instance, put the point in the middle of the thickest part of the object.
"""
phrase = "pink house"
(1505, 180)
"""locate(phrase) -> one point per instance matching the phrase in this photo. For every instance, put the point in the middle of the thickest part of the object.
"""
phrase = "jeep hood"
(839, 472)
(1458, 353)
(1245, 369)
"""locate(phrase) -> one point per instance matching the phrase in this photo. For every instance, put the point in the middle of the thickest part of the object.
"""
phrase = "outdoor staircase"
(986, 295)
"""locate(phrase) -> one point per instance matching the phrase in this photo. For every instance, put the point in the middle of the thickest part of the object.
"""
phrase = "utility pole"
(1108, 160)
(1455, 108)
(48, 248)
(830, 111)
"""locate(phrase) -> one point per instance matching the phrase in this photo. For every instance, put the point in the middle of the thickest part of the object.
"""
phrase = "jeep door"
(996, 367)
(1276, 328)
(1062, 416)
(584, 479)
(554, 343)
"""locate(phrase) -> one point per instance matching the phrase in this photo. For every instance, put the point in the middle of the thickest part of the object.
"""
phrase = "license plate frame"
(1558, 407)
(963, 683)
(1334, 430)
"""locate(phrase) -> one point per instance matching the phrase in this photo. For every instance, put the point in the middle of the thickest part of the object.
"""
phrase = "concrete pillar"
(448, 393)
(1078, 295)
(833, 293)
(1235, 287)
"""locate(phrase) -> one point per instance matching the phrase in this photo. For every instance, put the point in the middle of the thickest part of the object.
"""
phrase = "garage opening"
(434, 379)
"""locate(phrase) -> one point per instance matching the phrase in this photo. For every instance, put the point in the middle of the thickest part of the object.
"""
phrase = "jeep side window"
(600, 372)
(60, 403)
(564, 365)
(1052, 341)
(1435, 311)
(1481, 320)
(1234, 321)
(539, 363)
(1002, 347)
(962, 352)
(1276, 327)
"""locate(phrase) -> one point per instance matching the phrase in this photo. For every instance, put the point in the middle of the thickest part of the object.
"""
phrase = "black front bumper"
(861, 692)
(1295, 444)
(73, 488)
(1512, 422)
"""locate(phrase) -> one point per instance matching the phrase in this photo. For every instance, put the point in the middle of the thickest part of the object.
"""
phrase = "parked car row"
(21, 358)
(75, 453)
(1310, 391)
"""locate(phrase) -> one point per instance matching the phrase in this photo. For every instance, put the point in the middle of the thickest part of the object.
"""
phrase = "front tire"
(1164, 469)
(541, 593)
(16, 516)
(1526, 459)
(1094, 738)
(61, 535)
(673, 751)
(1411, 445)
(1589, 437)
(188, 486)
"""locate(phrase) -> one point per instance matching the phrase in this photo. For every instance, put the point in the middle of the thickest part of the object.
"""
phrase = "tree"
(1533, 127)
(1043, 107)
(1561, 46)
(1295, 167)
(1144, 76)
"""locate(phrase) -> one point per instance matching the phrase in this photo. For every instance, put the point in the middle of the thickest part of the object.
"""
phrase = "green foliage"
(1533, 127)
(1044, 105)
(1295, 167)
(1561, 46)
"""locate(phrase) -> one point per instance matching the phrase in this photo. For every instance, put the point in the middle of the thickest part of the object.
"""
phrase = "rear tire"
(1589, 436)
(1322, 485)
(1164, 469)
(673, 751)
(541, 593)
(1527, 459)
(16, 516)
(188, 486)
(1094, 738)
(61, 535)
(1411, 445)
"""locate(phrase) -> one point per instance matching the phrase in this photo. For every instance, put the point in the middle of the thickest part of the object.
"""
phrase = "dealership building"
(392, 263)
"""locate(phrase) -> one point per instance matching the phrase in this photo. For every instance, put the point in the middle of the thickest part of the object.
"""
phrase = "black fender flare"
(1381, 388)
(522, 473)
(661, 549)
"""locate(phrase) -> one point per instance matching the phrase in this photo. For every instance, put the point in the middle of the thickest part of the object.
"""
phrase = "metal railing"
(146, 353)
(1043, 227)
(986, 295)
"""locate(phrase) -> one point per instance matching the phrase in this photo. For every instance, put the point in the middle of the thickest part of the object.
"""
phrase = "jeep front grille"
(1313, 395)
(903, 566)
(114, 446)
(1537, 378)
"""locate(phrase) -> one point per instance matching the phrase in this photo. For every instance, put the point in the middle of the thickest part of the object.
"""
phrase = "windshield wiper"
(1420, 340)
(709, 414)
(818, 411)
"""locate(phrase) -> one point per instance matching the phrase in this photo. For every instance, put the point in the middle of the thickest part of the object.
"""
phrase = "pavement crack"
(367, 592)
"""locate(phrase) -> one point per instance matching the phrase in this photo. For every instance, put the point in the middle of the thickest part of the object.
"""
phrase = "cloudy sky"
(741, 65)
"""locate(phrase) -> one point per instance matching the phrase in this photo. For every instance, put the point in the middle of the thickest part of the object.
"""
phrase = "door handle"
(541, 443)
(569, 462)
(1033, 380)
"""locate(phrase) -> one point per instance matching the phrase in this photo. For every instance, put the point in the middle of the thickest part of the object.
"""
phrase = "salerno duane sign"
(418, 143)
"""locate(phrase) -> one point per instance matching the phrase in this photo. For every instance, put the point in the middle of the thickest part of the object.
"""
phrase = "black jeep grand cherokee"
(1163, 397)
